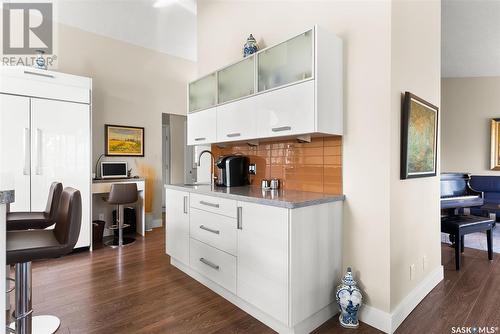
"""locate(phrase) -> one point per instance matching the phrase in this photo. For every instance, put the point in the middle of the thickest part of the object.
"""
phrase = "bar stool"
(26, 246)
(17, 221)
(121, 194)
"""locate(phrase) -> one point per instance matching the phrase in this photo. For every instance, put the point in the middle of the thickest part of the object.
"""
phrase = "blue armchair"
(490, 187)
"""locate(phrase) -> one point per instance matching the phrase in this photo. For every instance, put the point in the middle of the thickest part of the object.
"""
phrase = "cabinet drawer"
(216, 265)
(218, 205)
(213, 229)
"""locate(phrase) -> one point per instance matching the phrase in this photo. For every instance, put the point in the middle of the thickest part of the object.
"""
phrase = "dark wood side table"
(459, 226)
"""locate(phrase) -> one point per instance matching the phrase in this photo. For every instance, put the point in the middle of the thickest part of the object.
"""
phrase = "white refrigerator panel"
(15, 149)
(60, 151)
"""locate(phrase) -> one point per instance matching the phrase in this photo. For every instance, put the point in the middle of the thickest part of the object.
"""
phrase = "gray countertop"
(290, 199)
(7, 196)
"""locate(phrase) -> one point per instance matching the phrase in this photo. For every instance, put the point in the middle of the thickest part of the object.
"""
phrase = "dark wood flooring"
(136, 290)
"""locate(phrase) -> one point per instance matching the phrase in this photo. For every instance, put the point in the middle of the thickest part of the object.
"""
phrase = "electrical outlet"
(424, 262)
(412, 272)
(101, 216)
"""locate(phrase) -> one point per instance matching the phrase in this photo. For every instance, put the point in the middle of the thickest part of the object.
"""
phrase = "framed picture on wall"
(495, 144)
(123, 141)
(419, 129)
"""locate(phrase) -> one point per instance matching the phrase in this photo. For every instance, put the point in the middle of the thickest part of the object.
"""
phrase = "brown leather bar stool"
(18, 221)
(120, 195)
(26, 246)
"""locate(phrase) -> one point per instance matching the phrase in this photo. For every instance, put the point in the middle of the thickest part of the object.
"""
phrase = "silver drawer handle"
(39, 74)
(239, 218)
(208, 263)
(209, 204)
(209, 229)
(201, 138)
(282, 128)
(230, 135)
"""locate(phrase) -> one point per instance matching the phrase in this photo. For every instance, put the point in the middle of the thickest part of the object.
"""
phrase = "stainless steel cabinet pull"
(203, 227)
(281, 128)
(209, 204)
(230, 135)
(185, 205)
(239, 218)
(38, 168)
(201, 138)
(26, 169)
(46, 75)
(208, 263)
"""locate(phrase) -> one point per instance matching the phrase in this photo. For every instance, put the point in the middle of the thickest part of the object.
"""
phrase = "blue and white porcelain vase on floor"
(349, 299)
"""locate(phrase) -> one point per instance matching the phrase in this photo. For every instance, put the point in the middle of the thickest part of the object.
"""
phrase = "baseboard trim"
(389, 322)
(411, 301)
(304, 327)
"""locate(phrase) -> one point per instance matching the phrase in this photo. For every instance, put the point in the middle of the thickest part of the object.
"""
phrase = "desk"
(103, 186)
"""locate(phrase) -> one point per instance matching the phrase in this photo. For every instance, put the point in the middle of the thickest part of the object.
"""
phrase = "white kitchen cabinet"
(236, 80)
(263, 258)
(60, 152)
(295, 90)
(237, 120)
(15, 160)
(287, 62)
(215, 230)
(288, 111)
(45, 131)
(177, 224)
(201, 127)
(203, 93)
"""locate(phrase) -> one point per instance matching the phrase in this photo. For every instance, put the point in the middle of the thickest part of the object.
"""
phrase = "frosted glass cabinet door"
(237, 80)
(287, 62)
(203, 93)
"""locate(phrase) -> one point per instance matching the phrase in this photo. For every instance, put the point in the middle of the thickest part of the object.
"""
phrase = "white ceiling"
(167, 26)
(470, 38)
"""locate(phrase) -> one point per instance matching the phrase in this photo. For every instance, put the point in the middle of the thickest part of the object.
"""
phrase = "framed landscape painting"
(419, 129)
(125, 141)
(495, 144)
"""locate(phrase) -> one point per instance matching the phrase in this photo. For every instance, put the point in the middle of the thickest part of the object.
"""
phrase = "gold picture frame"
(495, 144)
(123, 141)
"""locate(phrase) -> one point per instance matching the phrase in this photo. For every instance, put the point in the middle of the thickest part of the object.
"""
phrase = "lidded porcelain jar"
(349, 299)
(250, 46)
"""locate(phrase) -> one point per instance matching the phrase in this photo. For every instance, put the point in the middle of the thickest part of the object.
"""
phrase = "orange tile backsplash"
(314, 166)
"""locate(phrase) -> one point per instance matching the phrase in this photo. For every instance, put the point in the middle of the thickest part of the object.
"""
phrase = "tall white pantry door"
(60, 151)
(15, 160)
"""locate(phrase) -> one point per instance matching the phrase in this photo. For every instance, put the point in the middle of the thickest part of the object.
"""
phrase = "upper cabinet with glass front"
(203, 93)
(287, 62)
(293, 88)
(237, 80)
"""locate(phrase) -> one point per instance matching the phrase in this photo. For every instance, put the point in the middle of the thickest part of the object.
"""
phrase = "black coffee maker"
(232, 171)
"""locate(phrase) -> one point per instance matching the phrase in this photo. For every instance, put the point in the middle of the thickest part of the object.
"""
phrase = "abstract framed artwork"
(419, 130)
(124, 141)
(495, 144)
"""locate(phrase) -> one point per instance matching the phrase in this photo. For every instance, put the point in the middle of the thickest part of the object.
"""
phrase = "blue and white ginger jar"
(250, 46)
(349, 299)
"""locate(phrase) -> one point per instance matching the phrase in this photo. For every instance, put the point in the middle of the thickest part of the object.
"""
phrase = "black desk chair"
(20, 221)
(120, 195)
(26, 246)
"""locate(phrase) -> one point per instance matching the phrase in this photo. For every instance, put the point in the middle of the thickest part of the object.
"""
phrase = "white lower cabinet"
(215, 264)
(177, 224)
(263, 258)
(278, 264)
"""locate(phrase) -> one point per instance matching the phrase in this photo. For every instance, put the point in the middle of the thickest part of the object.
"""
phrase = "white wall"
(223, 27)
(387, 50)
(468, 104)
(415, 203)
(131, 86)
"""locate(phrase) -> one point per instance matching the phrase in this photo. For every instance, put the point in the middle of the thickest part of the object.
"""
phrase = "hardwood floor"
(136, 290)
